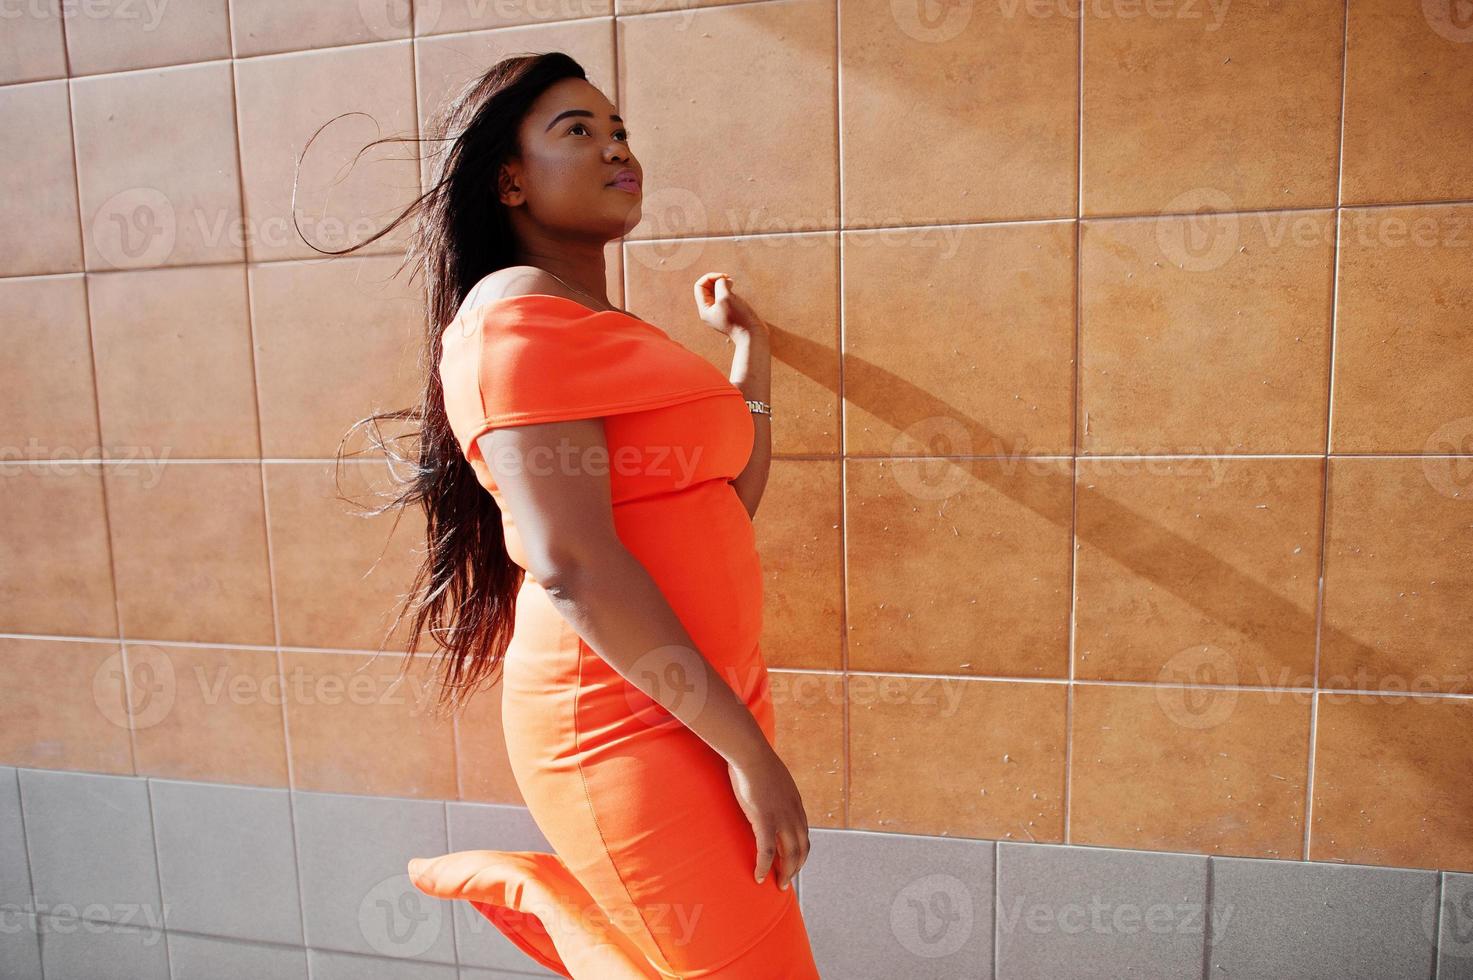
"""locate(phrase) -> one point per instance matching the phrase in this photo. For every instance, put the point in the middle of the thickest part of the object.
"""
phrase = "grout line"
(1075, 438)
(997, 915)
(1441, 896)
(107, 524)
(20, 808)
(1061, 457)
(851, 672)
(846, 727)
(1208, 920)
(1319, 614)
(286, 740)
(385, 251)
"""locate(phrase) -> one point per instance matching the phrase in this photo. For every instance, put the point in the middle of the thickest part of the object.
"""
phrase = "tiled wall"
(206, 881)
(1180, 292)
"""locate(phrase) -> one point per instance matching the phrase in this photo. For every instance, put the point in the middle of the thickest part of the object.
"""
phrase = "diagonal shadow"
(1219, 591)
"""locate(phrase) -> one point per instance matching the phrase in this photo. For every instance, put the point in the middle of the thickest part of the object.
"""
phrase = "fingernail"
(783, 886)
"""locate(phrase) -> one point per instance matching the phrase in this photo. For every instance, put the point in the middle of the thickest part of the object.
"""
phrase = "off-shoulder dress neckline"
(583, 306)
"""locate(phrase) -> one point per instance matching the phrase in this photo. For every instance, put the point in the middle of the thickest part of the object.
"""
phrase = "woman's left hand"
(723, 310)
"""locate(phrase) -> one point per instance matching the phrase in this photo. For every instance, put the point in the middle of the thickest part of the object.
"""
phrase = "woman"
(589, 486)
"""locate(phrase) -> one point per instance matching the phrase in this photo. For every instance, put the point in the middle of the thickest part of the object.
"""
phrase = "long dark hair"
(465, 588)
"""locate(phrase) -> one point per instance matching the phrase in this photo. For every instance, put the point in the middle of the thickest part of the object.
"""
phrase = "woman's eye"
(584, 127)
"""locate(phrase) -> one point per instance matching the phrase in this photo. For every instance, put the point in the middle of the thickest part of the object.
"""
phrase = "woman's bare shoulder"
(514, 280)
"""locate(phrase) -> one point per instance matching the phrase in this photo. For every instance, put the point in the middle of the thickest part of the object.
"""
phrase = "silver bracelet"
(759, 408)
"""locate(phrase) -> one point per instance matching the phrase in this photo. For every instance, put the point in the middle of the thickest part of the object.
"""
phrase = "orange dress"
(653, 870)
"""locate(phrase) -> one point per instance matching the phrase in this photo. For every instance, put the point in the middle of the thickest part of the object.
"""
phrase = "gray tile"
(327, 965)
(84, 949)
(90, 841)
(15, 870)
(1455, 949)
(227, 864)
(1097, 913)
(477, 826)
(880, 906)
(1309, 920)
(352, 853)
(20, 946)
(208, 958)
(475, 973)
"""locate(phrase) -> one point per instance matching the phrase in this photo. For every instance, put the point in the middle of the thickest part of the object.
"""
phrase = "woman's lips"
(626, 184)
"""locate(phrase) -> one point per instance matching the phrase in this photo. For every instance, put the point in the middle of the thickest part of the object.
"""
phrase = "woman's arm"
(554, 478)
(751, 371)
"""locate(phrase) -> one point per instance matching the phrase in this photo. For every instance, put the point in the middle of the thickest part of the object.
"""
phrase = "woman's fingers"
(794, 853)
(766, 851)
(708, 286)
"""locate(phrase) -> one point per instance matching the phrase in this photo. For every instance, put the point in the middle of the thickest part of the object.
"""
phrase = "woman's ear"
(509, 185)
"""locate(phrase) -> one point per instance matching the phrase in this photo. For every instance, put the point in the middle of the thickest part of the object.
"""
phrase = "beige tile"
(64, 706)
(714, 165)
(443, 65)
(959, 341)
(283, 101)
(122, 36)
(628, 8)
(1390, 786)
(340, 578)
(38, 184)
(959, 567)
(799, 525)
(809, 708)
(208, 713)
(272, 26)
(54, 571)
(1222, 107)
(189, 547)
(967, 112)
(791, 281)
(1403, 340)
(155, 192)
(1409, 84)
(957, 757)
(1399, 575)
(335, 341)
(360, 724)
(50, 408)
(485, 774)
(446, 16)
(1201, 569)
(175, 377)
(1189, 769)
(1207, 334)
(31, 46)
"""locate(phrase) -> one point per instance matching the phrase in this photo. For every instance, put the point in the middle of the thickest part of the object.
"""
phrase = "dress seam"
(664, 400)
(588, 800)
(766, 930)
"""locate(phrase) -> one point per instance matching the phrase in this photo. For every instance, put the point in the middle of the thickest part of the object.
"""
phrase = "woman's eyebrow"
(577, 112)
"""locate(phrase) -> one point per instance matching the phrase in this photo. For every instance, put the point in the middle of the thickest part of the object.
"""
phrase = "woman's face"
(573, 146)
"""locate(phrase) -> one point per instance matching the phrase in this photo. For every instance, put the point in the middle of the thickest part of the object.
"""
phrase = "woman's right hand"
(769, 797)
